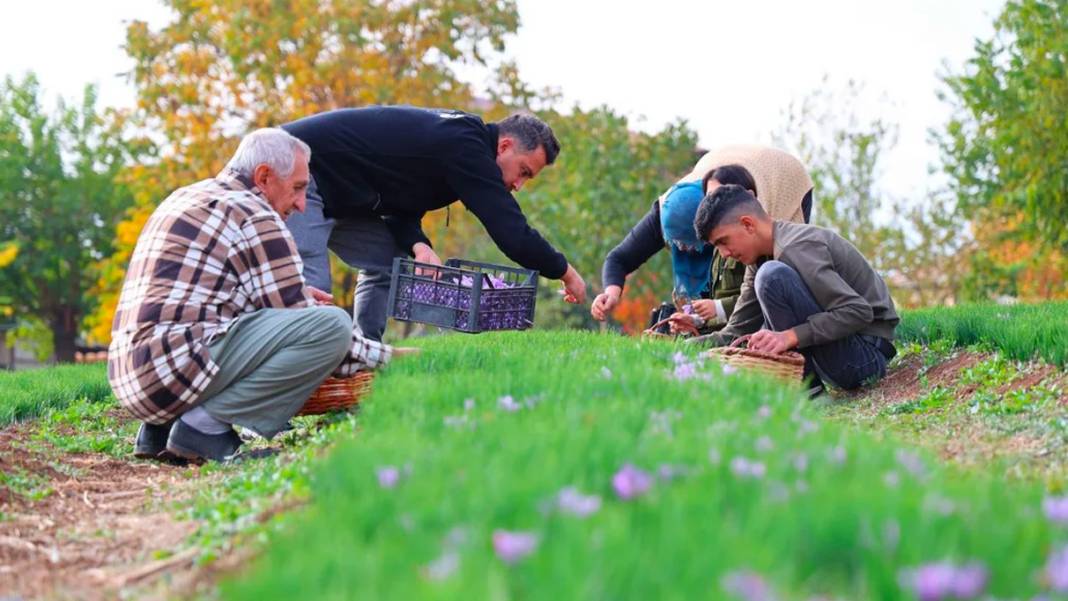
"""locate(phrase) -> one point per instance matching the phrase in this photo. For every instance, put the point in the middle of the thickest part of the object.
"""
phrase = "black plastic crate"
(446, 295)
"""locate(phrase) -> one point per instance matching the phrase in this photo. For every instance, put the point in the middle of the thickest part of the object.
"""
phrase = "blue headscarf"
(691, 259)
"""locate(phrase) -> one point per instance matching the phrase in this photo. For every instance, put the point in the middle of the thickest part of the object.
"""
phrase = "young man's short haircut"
(724, 206)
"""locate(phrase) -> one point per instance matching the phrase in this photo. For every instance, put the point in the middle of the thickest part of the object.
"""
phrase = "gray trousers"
(364, 243)
(270, 361)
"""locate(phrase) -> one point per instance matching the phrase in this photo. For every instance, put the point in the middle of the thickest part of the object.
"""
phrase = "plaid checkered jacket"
(210, 253)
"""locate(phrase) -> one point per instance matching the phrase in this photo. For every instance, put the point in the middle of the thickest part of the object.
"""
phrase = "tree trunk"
(64, 334)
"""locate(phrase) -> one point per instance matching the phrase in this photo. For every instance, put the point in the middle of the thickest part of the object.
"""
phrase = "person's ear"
(503, 144)
(748, 223)
(261, 175)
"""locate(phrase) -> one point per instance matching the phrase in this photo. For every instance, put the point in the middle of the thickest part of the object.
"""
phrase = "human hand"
(424, 254)
(320, 297)
(773, 342)
(574, 287)
(606, 302)
(681, 323)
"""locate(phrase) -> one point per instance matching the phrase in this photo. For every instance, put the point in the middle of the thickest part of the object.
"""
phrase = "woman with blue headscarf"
(705, 283)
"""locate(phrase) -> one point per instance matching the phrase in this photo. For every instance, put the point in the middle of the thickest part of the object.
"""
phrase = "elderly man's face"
(517, 165)
(285, 194)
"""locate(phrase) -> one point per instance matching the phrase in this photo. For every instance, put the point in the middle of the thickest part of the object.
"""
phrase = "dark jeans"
(365, 243)
(787, 302)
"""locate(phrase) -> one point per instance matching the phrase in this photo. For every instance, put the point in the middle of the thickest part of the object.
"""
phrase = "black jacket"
(399, 162)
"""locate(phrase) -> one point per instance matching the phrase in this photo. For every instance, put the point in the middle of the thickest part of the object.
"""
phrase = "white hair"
(269, 146)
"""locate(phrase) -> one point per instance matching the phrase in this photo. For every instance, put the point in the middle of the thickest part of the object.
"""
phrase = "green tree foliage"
(1005, 151)
(221, 68)
(917, 245)
(59, 204)
(1007, 145)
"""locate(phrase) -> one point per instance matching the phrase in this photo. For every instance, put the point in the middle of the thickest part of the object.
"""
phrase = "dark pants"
(365, 243)
(787, 302)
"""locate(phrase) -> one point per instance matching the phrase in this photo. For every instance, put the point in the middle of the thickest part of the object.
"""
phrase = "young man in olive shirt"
(812, 291)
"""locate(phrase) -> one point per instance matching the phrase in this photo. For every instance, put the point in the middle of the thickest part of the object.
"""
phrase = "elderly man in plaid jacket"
(215, 325)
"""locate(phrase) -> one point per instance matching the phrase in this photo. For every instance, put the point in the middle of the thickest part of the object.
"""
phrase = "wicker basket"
(337, 394)
(787, 366)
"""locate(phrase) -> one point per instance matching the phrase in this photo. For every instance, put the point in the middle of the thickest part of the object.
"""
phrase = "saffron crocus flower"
(507, 403)
(764, 444)
(573, 502)
(511, 547)
(388, 476)
(764, 412)
(747, 469)
(1057, 570)
(685, 371)
(1056, 509)
(944, 580)
(748, 586)
(630, 482)
(442, 567)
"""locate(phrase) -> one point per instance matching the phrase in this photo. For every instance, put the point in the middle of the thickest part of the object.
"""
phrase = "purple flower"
(1057, 570)
(837, 454)
(469, 404)
(668, 472)
(388, 476)
(728, 369)
(745, 468)
(912, 463)
(511, 547)
(944, 580)
(571, 501)
(507, 403)
(442, 567)
(748, 586)
(630, 482)
(764, 412)
(680, 358)
(606, 373)
(891, 479)
(1056, 509)
(764, 444)
(801, 462)
(684, 371)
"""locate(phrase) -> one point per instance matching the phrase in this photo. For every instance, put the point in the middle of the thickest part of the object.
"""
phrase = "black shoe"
(189, 443)
(151, 443)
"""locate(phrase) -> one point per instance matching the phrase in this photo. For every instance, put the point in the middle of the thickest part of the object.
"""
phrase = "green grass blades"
(492, 467)
(1022, 331)
(32, 393)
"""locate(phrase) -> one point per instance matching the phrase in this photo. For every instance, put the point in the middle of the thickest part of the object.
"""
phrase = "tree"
(59, 205)
(221, 68)
(917, 246)
(1006, 147)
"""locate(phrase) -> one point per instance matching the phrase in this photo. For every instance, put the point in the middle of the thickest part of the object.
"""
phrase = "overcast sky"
(728, 67)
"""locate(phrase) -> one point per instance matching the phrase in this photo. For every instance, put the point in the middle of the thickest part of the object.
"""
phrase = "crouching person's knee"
(771, 276)
(336, 330)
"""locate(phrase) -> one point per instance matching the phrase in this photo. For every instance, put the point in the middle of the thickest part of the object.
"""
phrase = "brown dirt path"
(107, 525)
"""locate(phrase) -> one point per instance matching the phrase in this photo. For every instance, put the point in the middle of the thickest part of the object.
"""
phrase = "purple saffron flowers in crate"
(463, 295)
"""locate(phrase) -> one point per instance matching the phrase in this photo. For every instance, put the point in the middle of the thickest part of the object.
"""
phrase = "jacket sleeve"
(643, 241)
(407, 230)
(745, 319)
(845, 312)
(476, 179)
